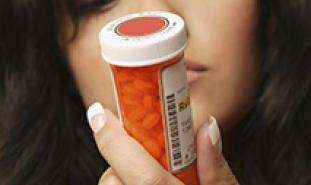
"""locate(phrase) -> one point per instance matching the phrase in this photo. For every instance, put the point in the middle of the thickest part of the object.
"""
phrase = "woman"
(254, 66)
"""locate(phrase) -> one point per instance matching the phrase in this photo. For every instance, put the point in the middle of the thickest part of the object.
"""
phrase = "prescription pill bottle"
(145, 51)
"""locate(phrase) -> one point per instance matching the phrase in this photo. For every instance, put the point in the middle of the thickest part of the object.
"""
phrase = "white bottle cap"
(143, 39)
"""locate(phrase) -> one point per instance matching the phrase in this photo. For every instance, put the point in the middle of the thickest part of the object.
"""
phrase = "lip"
(194, 71)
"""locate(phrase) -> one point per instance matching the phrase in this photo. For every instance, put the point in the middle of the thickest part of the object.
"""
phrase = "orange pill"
(139, 133)
(144, 86)
(151, 120)
(153, 134)
(148, 101)
(158, 129)
(161, 140)
(137, 114)
(131, 90)
(144, 74)
(127, 100)
(153, 148)
(134, 97)
(128, 109)
(125, 76)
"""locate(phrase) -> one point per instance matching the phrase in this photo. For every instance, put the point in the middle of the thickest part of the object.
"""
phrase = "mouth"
(194, 71)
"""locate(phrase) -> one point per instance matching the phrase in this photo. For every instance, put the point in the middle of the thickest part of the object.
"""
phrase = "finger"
(109, 178)
(212, 166)
(126, 156)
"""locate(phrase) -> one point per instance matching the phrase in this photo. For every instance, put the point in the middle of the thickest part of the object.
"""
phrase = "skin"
(221, 38)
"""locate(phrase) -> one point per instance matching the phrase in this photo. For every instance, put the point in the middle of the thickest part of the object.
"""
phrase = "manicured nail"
(214, 134)
(96, 117)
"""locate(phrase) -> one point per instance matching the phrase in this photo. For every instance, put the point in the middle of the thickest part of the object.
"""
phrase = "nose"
(154, 5)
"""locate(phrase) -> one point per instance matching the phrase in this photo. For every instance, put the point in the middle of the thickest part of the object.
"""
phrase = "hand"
(131, 164)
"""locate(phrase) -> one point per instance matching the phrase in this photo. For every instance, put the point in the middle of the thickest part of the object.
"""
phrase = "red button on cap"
(141, 26)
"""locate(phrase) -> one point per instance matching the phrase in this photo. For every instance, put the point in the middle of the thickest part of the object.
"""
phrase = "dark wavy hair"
(44, 135)
(276, 137)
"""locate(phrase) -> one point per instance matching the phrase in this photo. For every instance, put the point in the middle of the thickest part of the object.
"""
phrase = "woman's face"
(221, 41)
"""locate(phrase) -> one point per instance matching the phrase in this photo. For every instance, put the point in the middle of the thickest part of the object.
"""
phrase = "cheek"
(225, 92)
(222, 37)
(91, 73)
(219, 30)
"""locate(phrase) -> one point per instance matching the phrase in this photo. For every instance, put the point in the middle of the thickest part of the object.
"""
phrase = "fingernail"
(96, 117)
(214, 134)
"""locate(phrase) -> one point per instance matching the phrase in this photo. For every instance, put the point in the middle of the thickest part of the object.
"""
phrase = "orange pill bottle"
(145, 52)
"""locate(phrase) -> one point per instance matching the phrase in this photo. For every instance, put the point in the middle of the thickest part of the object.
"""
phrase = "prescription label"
(179, 132)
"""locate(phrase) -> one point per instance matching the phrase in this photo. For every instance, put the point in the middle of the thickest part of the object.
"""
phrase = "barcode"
(174, 132)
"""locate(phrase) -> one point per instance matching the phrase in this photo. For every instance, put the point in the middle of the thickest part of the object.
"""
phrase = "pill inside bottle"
(146, 54)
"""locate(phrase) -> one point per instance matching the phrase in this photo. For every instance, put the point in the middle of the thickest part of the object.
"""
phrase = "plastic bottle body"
(145, 51)
(144, 110)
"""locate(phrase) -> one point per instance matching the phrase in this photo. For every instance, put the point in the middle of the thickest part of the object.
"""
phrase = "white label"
(178, 120)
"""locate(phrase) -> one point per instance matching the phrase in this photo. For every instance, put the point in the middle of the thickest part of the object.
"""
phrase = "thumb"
(128, 159)
(213, 169)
